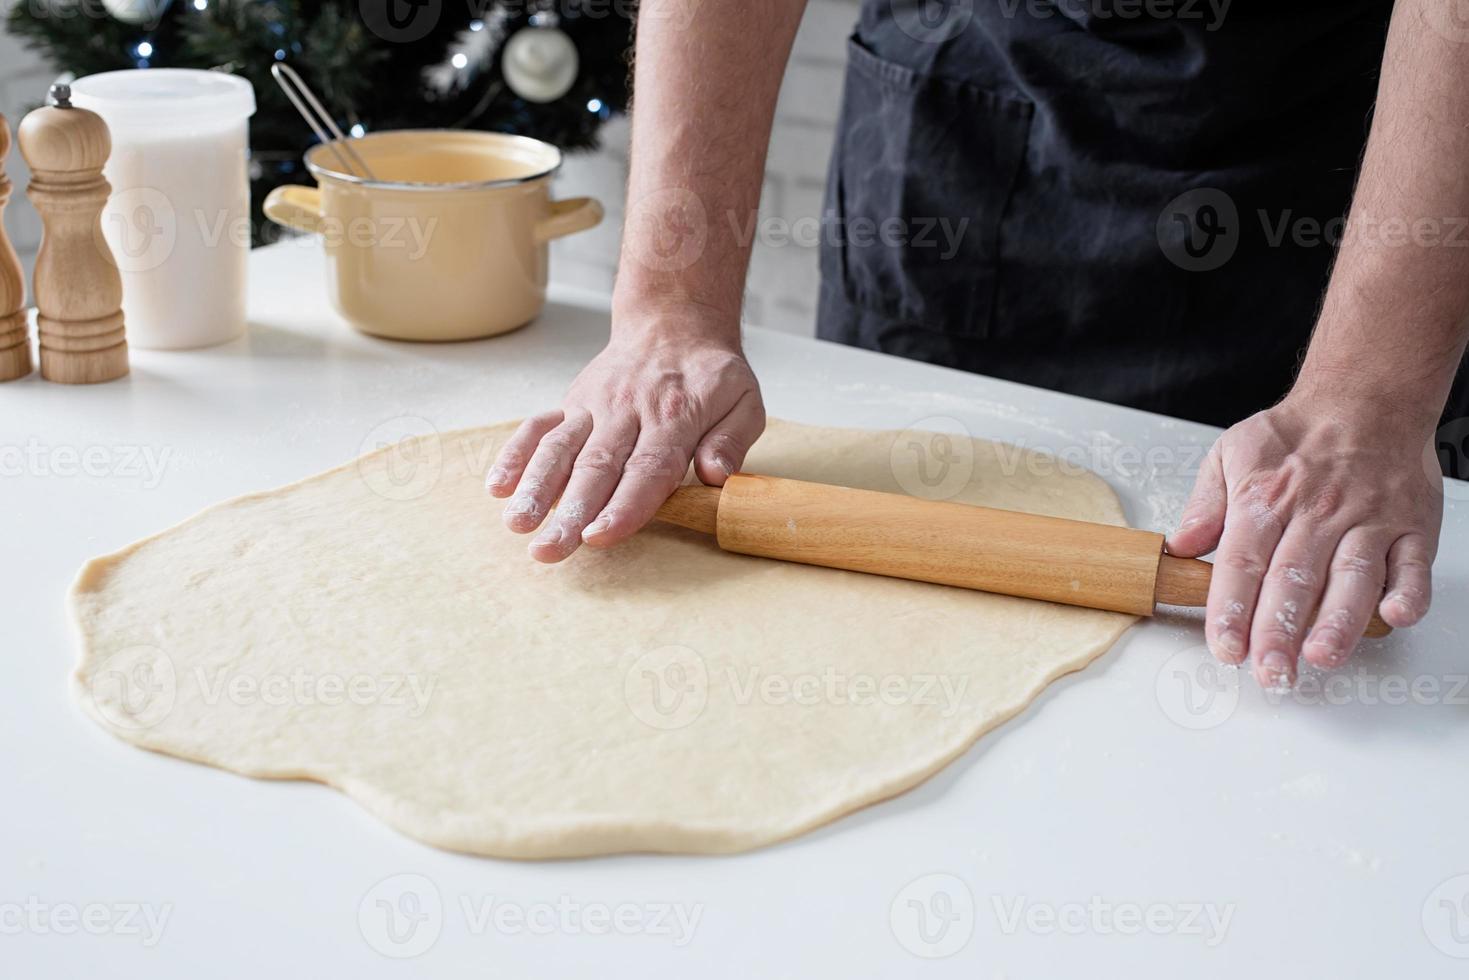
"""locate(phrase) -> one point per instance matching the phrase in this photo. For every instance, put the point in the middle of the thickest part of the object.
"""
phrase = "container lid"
(435, 160)
(171, 97)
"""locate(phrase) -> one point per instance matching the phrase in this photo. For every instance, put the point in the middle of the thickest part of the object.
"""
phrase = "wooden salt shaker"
(15, 335)
(78, 289)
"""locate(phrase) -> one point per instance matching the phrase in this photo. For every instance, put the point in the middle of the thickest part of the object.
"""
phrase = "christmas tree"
(378, 64)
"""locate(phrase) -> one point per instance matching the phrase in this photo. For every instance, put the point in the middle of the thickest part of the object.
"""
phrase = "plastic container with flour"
(178, 221)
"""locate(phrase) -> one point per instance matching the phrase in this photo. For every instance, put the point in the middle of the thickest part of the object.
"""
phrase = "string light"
(473, 69)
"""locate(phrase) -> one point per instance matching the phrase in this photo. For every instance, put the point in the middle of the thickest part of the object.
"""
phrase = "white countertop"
(1090, 836)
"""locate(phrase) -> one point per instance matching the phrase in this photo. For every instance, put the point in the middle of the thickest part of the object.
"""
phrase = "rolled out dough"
(376, 628)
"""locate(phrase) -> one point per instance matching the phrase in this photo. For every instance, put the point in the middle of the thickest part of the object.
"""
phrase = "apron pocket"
(921, 174)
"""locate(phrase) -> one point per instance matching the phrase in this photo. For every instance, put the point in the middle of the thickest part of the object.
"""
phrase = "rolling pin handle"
(695, 507)
(1185, 582)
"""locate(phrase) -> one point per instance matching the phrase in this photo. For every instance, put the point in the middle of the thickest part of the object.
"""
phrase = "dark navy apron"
(1082, 195)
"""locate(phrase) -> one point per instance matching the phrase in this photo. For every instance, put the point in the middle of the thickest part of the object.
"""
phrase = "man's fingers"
(657, 465)
(546, 473)
(594, 476)
(723, 448)
(1288, 598)
(1203, 519)
(1409, 581)
(516, 453)
(1251, 532)
(1353, 585)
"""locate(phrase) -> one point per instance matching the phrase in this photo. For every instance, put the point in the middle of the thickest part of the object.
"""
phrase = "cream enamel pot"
(448, 242)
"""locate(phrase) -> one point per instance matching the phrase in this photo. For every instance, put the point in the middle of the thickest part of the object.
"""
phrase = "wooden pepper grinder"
(15, 334)
(78, 289)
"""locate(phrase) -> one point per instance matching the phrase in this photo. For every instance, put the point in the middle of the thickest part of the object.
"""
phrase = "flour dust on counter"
(377, 629)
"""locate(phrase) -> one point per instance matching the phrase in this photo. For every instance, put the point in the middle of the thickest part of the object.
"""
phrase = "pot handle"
(566, 217)
(295, 206)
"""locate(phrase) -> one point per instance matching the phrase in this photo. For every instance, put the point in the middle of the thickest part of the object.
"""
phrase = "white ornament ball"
(137, 11)
(540, 63)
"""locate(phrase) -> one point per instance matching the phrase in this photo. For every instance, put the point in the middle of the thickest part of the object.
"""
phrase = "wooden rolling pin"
(1073, 562)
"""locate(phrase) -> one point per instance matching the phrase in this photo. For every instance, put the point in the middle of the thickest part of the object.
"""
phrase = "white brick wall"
(781, 292)
(589, 258)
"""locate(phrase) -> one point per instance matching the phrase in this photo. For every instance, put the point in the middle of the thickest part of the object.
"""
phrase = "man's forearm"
(1396, 315)
(707, 77)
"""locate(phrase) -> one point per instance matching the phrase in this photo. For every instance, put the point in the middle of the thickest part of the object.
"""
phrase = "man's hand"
(1319, 502)
(1314, 505)
(672, 385)
(623, 437)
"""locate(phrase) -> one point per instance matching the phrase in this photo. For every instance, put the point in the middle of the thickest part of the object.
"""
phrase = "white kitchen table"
(1148, 816)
